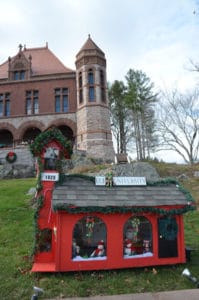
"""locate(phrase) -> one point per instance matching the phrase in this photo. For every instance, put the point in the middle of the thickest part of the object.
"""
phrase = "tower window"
(1, 108)
(90, 77)
(80, 88)
(91, 94)
(91, 89)
(102, 87)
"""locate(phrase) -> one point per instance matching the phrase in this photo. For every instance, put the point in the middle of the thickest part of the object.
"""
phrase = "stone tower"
(93, 115)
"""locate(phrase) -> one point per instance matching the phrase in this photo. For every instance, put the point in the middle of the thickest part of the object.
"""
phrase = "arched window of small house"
(44, 240)
(137, 237)
(89, 239)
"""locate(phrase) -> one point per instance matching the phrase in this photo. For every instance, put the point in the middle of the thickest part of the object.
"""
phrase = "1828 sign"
(49, 176)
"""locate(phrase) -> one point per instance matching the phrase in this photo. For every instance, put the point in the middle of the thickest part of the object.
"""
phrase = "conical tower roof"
(90, 53)
(90, 45)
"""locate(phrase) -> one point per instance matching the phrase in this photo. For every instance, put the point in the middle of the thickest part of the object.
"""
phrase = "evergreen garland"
(47, 136)
(36, 148)
(40, 202)
(72, 209)
(11, 157)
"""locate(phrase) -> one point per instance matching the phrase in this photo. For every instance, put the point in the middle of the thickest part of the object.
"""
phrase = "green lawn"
(16, 237)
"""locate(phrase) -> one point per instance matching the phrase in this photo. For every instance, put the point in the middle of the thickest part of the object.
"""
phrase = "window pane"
(103, 95)
(91, 94)
(80, 96)
(65, 91)
(28, 106)
(137, 237)
(57, 91)
(36, 94)
(44, 240)
(57, 104)
(80, 80)
(90, 77)
(7, 108)
(7, 96)
(36, 106)
(16, 75)
(89, 239)
(22, 75)
(102, 78)
(28, 93)
(1, 108)
(65, 103)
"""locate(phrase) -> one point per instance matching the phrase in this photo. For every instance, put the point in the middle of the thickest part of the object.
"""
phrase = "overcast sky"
(158, 37)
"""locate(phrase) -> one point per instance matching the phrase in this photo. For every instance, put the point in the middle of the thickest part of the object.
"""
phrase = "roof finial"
(89, 36)
(20, 47)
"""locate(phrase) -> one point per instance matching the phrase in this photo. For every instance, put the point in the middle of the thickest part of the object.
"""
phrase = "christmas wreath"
(11, 157)
(168, 228)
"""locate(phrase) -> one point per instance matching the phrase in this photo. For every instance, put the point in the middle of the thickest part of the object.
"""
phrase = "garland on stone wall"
(47, 136)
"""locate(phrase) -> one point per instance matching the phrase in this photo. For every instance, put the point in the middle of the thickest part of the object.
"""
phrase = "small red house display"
(94, 223)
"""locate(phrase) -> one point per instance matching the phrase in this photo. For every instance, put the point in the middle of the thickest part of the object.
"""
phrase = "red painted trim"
(115, 259)
(60, 256)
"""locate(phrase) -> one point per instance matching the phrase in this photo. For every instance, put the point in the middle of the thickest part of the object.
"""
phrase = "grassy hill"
(17, 234)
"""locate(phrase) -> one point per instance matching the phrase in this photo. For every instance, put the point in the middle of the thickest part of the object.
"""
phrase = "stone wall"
(24, 166)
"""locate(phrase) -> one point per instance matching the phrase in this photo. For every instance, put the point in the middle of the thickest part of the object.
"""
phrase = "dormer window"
(19, 67)
(19, 75)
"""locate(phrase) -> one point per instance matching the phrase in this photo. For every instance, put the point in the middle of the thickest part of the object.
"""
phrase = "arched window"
(137, 236)
(89, 239)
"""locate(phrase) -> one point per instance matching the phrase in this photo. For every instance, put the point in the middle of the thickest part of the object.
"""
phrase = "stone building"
(37, 92)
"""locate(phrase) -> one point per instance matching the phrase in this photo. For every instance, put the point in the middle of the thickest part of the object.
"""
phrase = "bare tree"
(178, 124)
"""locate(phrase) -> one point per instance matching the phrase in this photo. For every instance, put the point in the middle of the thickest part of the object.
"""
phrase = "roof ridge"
(35, 48)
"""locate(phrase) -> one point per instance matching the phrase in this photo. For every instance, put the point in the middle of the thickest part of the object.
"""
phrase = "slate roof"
(44, 62)
(84, 193)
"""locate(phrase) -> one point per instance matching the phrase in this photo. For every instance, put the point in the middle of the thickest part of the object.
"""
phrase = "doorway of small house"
(167, 237)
